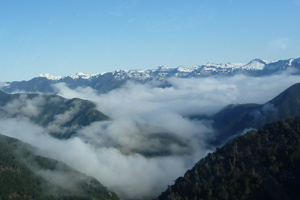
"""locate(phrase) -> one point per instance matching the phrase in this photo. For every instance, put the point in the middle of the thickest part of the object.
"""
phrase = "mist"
(150, 140)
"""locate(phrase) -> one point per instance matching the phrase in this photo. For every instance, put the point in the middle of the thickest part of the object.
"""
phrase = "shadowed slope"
(233, 119)
(24, 175)
(261, 164)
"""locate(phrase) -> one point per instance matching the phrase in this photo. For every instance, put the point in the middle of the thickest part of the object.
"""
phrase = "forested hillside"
(24, 175)
(261, 164)
(60, 116)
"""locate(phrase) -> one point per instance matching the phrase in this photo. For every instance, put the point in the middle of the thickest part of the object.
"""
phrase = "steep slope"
(24, 175)
(106, 82)
(62, 117)
(261, 164)
(233, 119)
(287, 103)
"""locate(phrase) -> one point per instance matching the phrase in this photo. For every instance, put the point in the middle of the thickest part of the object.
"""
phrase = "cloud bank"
(150, 140)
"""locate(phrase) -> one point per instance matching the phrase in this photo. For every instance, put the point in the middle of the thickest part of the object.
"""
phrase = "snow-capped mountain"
(163, 72)
(104, 82)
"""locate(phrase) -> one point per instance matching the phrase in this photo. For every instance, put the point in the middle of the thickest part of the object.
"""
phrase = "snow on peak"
(256, 64)
(212, 65)
(136, 74)
(161, 68)
(74, 76)
(291, 61)
(50, 77)
(226, 65)
(162, 72)
(82, 75)
(187, 69)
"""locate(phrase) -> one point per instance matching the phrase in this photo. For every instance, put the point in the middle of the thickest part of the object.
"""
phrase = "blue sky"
(63, 37)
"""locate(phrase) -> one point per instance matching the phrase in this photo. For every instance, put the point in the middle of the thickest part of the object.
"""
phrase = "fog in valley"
(150, 139)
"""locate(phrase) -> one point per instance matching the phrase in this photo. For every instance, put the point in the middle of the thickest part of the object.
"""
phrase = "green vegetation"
(159, 144)
(61, 116)
(261, 164)
(24, 175)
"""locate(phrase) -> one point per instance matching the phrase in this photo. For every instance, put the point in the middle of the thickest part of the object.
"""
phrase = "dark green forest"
(261, 164)
(24, 175)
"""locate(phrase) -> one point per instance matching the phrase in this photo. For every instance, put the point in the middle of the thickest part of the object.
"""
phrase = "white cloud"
(139, 110)
(22, 107)
(122, 173)
(123, 153)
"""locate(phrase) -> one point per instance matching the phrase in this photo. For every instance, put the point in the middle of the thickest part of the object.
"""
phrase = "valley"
(145, 133)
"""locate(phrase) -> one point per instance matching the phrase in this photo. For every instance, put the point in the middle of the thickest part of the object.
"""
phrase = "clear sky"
(63, 37)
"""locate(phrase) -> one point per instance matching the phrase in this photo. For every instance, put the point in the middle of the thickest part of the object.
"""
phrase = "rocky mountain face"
(261, 164)
(26, 175)
(106, 82)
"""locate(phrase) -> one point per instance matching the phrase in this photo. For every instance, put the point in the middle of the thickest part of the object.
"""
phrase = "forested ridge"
(261, 164)
(62, 116)
(24, 175)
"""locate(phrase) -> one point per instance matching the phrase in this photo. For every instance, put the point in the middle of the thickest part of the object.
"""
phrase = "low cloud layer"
(150, 140)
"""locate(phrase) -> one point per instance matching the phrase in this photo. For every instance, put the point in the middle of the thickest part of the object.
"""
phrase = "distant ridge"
(162, 71)
(105, 82)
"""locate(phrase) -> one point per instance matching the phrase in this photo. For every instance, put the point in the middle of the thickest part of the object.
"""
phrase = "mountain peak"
(82, 75)
(187, 68)
(256, 67)
(256, 64)
(50, 77)
(162, 68)
(226, 65)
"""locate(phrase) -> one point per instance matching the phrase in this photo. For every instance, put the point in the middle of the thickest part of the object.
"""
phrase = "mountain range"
(105, 82)
(260, 164)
